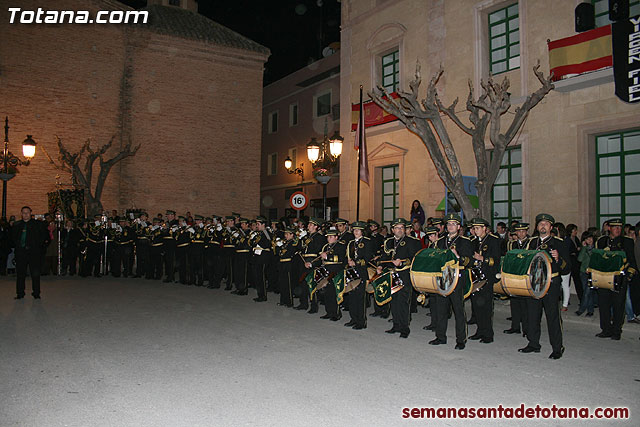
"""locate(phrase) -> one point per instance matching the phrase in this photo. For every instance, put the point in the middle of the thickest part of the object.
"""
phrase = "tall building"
(298, 107)
(185, 88)
(578, 154)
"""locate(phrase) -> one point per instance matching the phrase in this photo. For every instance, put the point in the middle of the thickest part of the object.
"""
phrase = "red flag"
(361, 144)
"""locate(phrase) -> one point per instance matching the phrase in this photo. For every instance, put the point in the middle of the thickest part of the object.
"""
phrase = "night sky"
(295, 31)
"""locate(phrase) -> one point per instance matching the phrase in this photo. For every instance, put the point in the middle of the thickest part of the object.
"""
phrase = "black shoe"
(326, 316)
(404, 334)
(245, 292)
(437, 341)
(471, 322)
(281, 304)
(312, 311)
(259, 299)
(233, 292)
(35, 296)
(486, 340)
(613, 337)
(556, 354)
(588, 315)
(509, 318)
(209, 287)
(529, 349)
(384, 316)
(578, 313)
(228, 288)
(167, 281)
(336, 318)
(459, 346)
(475, 337)
(511, 331)
(604, 335)
(392, 331)
(428, 327)
(350, 323)
(300, 307)
(358, 327)
(18, 297)
(374, 314)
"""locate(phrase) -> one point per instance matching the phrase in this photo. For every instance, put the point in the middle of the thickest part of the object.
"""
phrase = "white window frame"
(271, 159)
(315, 102)
(293, 155)
(270, 121)
(297, 116)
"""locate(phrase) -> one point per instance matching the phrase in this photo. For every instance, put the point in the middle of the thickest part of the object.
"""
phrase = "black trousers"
(575, 276)
(519, 314)
(285, 282)
(181, 263)
(92, 264)
(142, 259)
(211, 265)
(401, 305)
(156, 262)
(357, 303)
(304, 291)
(608, 300)
(33, 260)
(240, 270)
(196, 267)
(482, 303)
(122, 261)
(169, 260)
(223, 270)
(69, 260)
(259, 273)
(551, 305)
(456, 301)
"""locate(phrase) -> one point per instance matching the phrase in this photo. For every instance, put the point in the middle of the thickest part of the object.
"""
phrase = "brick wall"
(194, 107)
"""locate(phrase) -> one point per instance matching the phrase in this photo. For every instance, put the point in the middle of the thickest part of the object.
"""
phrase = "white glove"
(114, 225)
(219, 227)
(155, 227)
(144, 224)
(279, 243)
(236, 234)
(302, 233)
(119, 229)
(174, 228)
(98, 223)
(191, 230)
(201, 225)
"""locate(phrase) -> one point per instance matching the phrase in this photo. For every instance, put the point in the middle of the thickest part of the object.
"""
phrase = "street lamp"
(288, 164)
(10, 162)
(324, 157)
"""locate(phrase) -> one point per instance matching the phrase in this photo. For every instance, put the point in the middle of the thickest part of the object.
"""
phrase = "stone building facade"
(184, 87)
(560, 162)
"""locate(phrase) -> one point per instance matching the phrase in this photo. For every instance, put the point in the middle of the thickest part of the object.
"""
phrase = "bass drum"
(525, 274)
(433, 272)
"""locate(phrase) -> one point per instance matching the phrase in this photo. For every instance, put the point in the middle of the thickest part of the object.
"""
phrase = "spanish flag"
(373, 114)
(582, 53)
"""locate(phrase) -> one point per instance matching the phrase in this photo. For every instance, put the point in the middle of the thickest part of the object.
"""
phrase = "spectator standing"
(574, 245)
(417, 213)
(29, 237)
(588, 294)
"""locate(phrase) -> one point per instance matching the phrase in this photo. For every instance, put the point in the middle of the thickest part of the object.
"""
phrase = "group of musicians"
(241, 252)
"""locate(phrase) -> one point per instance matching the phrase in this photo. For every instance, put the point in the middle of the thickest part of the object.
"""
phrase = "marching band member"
(518, 304)
(262, 257)
(400, 250)
(431, 240)
(462, 249)
(183, 241)
(312, 244)
(332, 258)
(486, 257)
(560, 264)
(241, 258)
(359, 255)
(286, 251)
(608, 299)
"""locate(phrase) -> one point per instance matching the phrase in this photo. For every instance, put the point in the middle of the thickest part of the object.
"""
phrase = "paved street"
(132, 352)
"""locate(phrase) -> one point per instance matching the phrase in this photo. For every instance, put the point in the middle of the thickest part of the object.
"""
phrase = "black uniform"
(157, 244)
(224, 269)
(482, 300)
(70, 244)
(196, 256)
(124, 249)
(183, 241)
(29, 239)
(169, 249)
(377, 241)
(241, 260)
(518, 305)
(261, 257)
(95, 246)
(212, 251)
(609, 300)
(286, 253)
(336, 255)
(550, 302)
(313, 244)
(403, 249)
(142, 250)
(455, 300)
(361, 252)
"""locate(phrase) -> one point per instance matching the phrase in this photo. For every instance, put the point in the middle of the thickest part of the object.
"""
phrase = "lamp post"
(10, 162)
(288, 164)
(324, 157)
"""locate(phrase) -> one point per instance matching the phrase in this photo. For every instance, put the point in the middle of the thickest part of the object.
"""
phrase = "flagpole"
(360, 142)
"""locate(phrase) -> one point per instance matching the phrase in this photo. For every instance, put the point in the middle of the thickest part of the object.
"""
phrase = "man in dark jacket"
(29, 237)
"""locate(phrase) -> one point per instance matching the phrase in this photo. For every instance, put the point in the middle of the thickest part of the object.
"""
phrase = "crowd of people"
(291, 257)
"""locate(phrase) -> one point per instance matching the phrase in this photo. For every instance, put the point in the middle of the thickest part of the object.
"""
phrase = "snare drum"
(321, 277)
(435, 271)
(525, 273)
(372, 274)
(478, 279)
(606, 268)
(351, 279)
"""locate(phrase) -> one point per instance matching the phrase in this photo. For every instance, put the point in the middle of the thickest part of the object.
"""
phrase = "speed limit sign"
(299, 201)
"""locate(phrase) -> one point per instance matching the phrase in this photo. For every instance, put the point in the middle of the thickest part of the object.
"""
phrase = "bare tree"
(82, 174)
(425, 119)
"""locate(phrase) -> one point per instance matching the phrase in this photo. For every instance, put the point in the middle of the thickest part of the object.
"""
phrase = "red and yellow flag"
(373, 114)
(584, 52)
